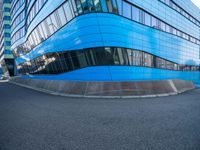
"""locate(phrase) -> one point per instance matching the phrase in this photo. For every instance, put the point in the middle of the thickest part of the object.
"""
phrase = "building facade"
(6, 56)
(106, 40)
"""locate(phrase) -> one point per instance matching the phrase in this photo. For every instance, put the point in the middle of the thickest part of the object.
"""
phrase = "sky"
(197, 2)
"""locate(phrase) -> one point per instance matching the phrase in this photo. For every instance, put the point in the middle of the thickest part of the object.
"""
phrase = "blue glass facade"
(106, 40)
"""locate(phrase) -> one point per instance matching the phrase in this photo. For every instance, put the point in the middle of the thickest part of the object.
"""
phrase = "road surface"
(32, 120)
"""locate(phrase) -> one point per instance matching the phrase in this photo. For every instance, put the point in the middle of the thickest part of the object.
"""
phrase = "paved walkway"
(31, 120)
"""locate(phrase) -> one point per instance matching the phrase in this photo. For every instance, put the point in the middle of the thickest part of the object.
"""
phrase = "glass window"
(90, 57)
(115, 9)
(162, 25)
(84, 6)
(102, 56)
(181, 11)
(36, 7)
(74, 8)
(147, 19)
(63, 62)
(104, 6)
(35, 37)
(125, 57)
(78, 5)
(160, 63)
(126, 10)
(135, 14)
(81, 59)
(54, 21)
(142, 16)
(198, 42)
(91, 7)
(171, 29)
(62, 16)
(175, 67)
(137, 58)
(68, 12)
(186, 36)
(178, 33)
(28, 46)
(169, 65)
(120, 54)
(174, 31)
(97, 5)
(167, 2)
(38, 34)
(74, 60)
(40, 4)
(42, 35)
(174, 6)
(54, 63)
(147, 60)
(45, 29)
(130, 56)
(167, 28)
(192, 39)
(184, 14)
(31, 41)
(154, 22)
(178, 9)
(109, 5)
(50, 25)
(115, 56)
(108, 55)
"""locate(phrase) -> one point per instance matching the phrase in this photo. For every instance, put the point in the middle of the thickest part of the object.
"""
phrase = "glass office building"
(106, 40)
(6, 56)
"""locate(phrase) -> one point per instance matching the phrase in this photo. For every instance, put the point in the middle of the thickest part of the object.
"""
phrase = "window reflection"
(54, 63)
(135, 14)
(72, 8)
(110, 6)
(127, 7)
(132, 12)
(104, 6)
(147, 19)
(84, 6)
(59, 18)
(97, 5)
(91, 7)
(68, 11)
(174, 6)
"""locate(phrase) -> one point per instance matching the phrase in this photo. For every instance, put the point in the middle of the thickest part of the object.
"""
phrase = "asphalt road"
(31, 120)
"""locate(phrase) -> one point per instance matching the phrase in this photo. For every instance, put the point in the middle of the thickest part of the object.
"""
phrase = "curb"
(88, 96)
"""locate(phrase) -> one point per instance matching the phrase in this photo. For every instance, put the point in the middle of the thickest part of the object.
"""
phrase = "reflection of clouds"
(41, 51)
(49, 45)
(25, 57)
(66, 32)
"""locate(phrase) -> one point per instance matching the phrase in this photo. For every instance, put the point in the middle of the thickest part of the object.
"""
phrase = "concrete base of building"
(129, 89)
